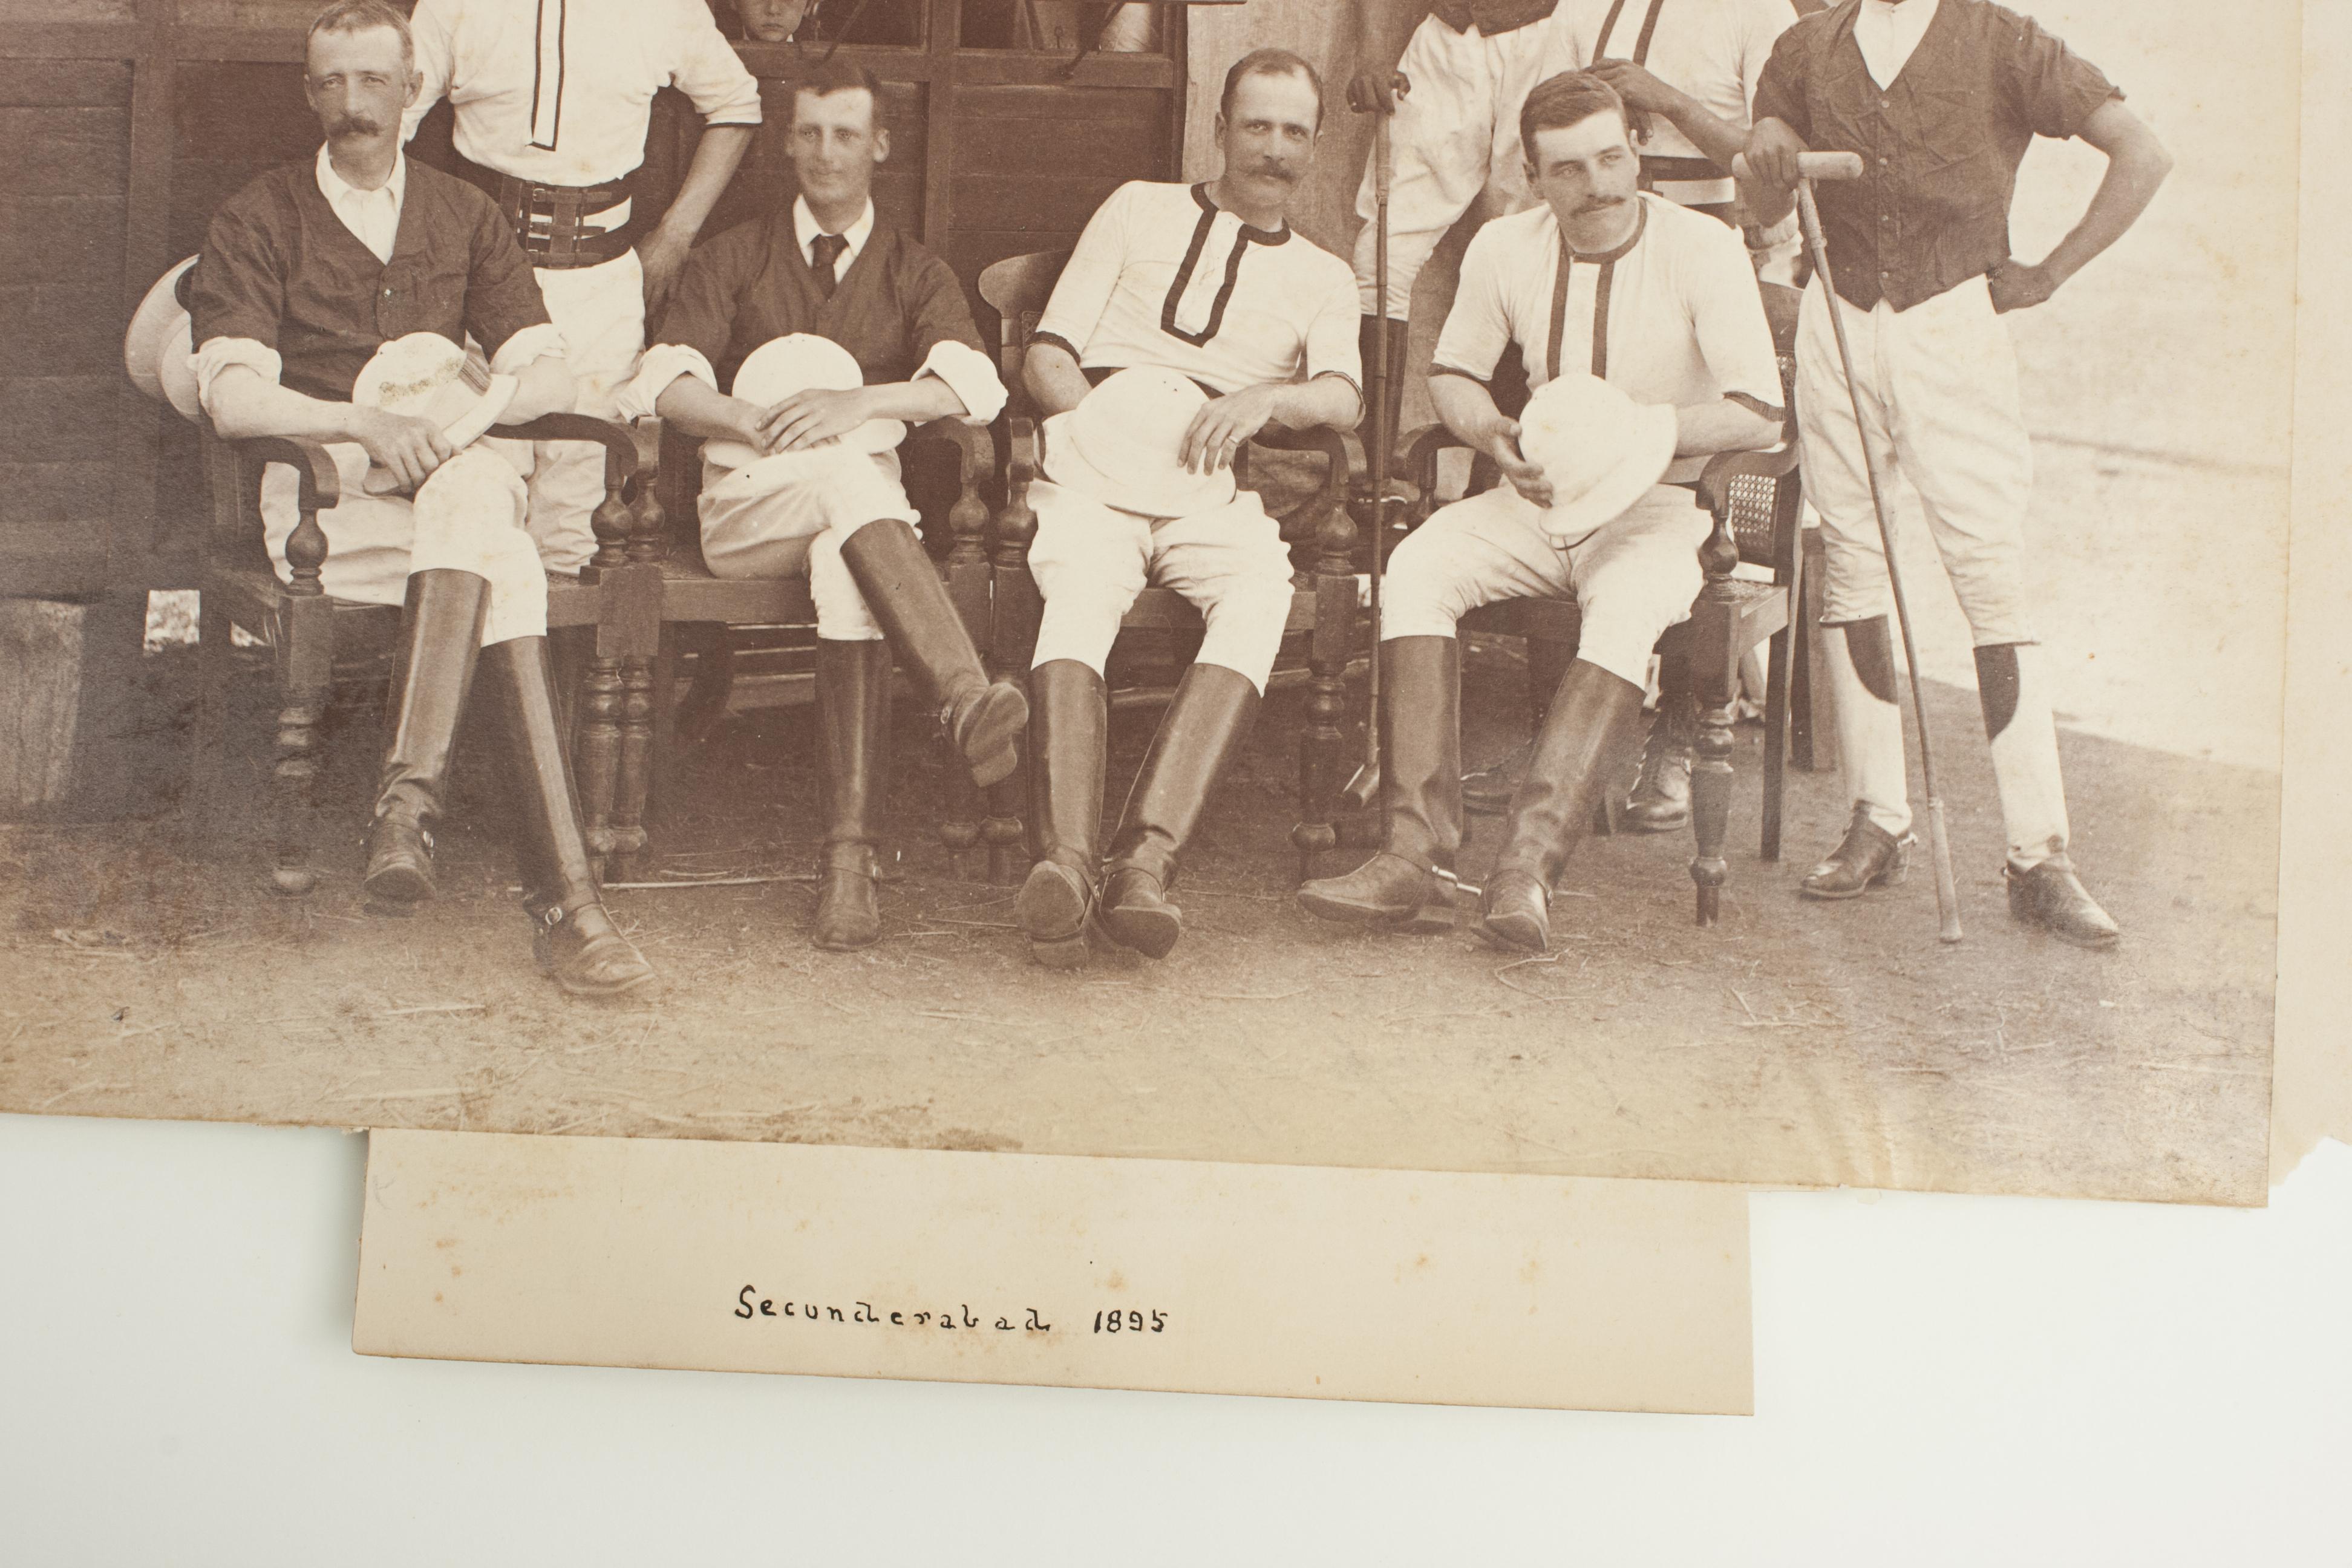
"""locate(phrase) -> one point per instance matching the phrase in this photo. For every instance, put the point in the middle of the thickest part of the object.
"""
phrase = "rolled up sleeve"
(663, 364)
(218, 354)
(707, 70)
(971, 375)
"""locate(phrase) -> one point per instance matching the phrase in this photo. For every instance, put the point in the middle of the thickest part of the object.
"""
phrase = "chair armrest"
(1714, 479)
(975, 447)
(321, 489)
(1420, 449)
(1343, 448)
(619, 443)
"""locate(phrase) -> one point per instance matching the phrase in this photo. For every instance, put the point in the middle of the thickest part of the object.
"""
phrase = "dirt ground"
(151, 976)
(144, 971)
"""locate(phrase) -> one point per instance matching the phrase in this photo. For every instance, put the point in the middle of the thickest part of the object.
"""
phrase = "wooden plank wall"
(65, 137)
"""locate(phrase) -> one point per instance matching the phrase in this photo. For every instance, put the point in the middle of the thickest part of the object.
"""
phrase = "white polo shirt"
(559, 92)
(1714, 50)
(1163, 276)
(1672, 316)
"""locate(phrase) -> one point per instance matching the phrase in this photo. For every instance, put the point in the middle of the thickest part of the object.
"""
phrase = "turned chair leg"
(294, 778)
(208, 791)
(1776, 739)
(1715, 672)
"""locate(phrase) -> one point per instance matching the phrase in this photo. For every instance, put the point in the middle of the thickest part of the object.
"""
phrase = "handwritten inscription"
(750, 1304)
(1130, 1321)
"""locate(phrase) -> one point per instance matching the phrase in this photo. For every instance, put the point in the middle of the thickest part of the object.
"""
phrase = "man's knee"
(842, 613)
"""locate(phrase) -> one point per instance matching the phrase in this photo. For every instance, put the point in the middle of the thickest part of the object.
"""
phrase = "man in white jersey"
(1689, 68)
(552, 99)
(1606, 281)
(1208, 282)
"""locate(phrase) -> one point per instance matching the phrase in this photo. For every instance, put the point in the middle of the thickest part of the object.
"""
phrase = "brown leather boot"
(574, 940)
(1204, 725)
(1420, 781)
(1867, 856)
(903, 590)
(1660, 801)
(440, 641)
(853, 708)
(1591, 716)
(1069, 725)
(2050, 896)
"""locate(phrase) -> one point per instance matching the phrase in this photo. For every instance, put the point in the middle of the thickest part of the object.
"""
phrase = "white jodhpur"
(789, 515)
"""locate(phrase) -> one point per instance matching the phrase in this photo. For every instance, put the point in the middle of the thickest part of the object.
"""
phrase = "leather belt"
(1679, 170)
(546, 219)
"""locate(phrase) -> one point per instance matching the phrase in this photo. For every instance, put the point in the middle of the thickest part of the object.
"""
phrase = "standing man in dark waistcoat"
(553, 100)
(1941, 98)
(810, 497)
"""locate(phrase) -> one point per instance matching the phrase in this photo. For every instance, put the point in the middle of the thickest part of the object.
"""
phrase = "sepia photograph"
(1053, 577)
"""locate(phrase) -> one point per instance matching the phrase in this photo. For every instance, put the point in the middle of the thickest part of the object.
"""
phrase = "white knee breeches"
(601, 312)
(1939, 387)
(1632, 579)
(1090, 561)
(1455, 132)
(789, 517)
(468, 516)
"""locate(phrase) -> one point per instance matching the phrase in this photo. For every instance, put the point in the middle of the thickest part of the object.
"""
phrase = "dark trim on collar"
(1616, 252)
(1255, 236)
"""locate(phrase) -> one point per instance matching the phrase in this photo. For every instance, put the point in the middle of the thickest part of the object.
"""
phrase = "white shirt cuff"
(971, 375)
(219, 353)
(530, 343)
(663, 364)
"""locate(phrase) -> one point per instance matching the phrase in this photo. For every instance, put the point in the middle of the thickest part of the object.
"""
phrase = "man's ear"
(415, 87)
(881, 143)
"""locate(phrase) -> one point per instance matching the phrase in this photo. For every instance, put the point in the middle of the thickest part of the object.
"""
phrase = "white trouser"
(789, 516)
(1455, 132)
(1090, 561)
(601, 312)
(468, 516)
(1631, 578)
(1938, 385)
(1939, 388)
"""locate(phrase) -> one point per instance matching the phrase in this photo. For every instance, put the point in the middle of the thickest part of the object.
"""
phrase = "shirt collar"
(804, 229)
(336, 189)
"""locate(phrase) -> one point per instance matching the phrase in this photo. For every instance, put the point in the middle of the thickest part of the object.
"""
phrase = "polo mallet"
(1813, 166)
(1370, 93)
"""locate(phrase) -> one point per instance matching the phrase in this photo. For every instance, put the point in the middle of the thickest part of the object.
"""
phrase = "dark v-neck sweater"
(895, 302)
(280, 267)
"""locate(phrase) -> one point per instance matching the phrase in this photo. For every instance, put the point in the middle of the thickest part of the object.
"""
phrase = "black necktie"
(827, 249)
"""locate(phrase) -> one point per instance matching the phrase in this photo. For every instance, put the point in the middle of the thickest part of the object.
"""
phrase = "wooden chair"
(1754, 499)
(1324, 610)
(308, 633)
(701, 614)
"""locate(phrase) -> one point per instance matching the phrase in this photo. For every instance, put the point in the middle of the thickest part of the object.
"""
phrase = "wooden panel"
(62, 328)
(64, 11)
(54, 492)
(57, 418)
(63, 151)
(230, 111)
(26, 84)
(1054, 202)
(60, 239)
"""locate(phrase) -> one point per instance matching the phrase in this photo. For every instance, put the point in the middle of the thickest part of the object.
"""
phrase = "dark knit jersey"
(751, 285)
(280, 267)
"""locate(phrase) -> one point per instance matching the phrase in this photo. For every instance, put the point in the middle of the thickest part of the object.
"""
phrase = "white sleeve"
(1334, 346)
(970, 375)
(1084, 291)
(1478, 328)
(433, 36)
(219, 353)
(1766, 21)
(532, 342)
(705, 68)
(663, 364)
(1727, 314)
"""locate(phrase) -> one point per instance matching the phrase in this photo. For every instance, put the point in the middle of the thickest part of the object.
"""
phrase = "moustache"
(1282, 171)
(1598, 203)
(353, 125)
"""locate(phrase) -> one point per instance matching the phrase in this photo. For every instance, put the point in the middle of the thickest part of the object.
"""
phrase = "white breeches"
(1456, 131)
(468, 516)
(601, 312)
(1632, 579)
(1090, 562)
(1939, 387)
(789, 517)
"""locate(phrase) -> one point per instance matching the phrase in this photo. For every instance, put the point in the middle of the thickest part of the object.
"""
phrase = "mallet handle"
(1812, 167)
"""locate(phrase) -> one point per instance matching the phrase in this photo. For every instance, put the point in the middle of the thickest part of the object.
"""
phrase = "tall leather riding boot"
(577, 942)
(853, 717)
(1069, 726)
(1204, 725)
(440, 639)
(1660, 801)
(1421, 784)
(904, 592)
(1391, 396)
(1592, 714)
